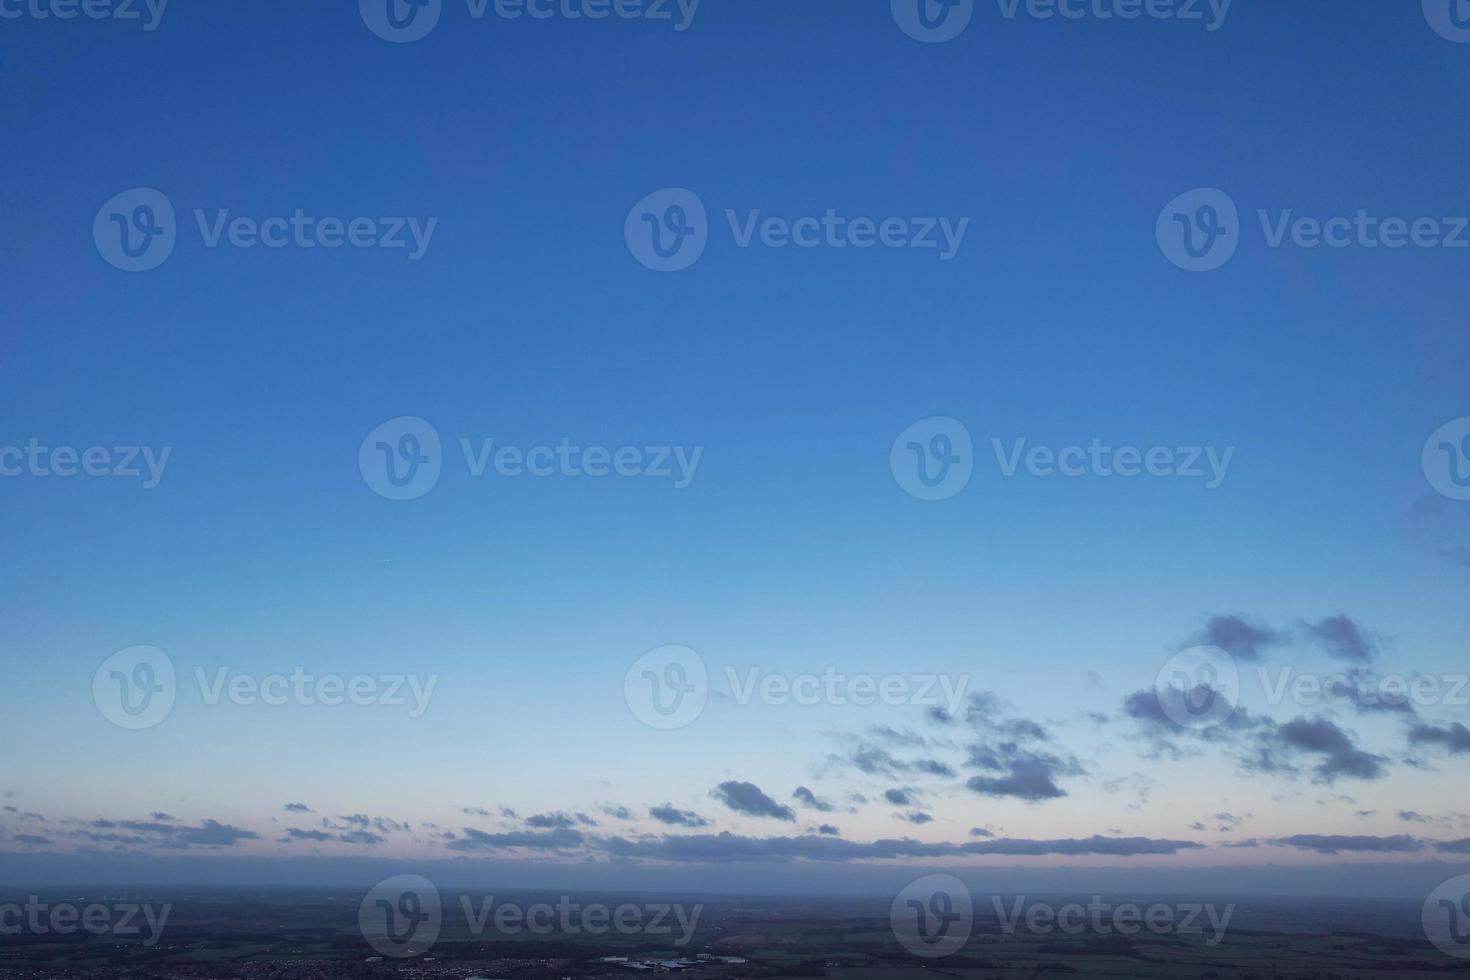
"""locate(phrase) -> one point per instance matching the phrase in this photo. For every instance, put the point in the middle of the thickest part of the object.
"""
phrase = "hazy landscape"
(297, 933)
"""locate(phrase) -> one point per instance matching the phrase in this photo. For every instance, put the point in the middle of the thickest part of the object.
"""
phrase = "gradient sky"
(794, 549)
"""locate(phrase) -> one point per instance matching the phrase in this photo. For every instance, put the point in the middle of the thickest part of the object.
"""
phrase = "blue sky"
(528, 320)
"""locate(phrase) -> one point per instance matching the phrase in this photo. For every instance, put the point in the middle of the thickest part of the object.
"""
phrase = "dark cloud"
(162, 817)
(551, 821)
(363, 822)
(1227, 822)
(297, 808)
(295, 833)
(1341, 758)
(1006, 748)
(1155, 712)
(828, 829)
(1330, 844)
(917, 816)
(727, 847)
(212, 833)
(878, 761)
(747, 798)
(981, 832)
(809, 799)
(551, 840)
(670, 814)
(899, 797)
(906, 738)
(1413, 816)
(1455, 738)
(1027, 775)
(1238, 637)
(1118, 846)
(1342, 638)
(1461, 846)
(33, 840)
(1362, 689)
(366, 837)
(166, 835)
(616, 812)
